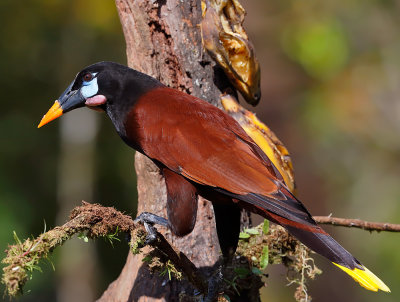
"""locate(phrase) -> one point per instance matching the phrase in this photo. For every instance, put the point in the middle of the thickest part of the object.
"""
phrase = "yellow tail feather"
(365, 277)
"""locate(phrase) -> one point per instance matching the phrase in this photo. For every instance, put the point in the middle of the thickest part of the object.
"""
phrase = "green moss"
(282, 249)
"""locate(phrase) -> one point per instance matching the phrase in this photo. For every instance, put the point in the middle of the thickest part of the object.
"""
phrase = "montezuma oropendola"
(200, 150)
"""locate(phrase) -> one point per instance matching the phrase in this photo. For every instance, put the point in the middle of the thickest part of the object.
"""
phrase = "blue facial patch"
(90, 88)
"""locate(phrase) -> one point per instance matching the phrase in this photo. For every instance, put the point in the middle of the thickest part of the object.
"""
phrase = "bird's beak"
(69, 100)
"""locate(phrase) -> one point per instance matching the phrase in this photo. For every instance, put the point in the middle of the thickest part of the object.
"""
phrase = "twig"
(357, 223)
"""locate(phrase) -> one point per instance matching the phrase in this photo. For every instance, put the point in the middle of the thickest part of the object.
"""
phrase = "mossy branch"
(23, 257)
(94, 221)
(257, 247)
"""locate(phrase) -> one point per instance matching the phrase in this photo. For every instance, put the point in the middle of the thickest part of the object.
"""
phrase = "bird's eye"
(88, 77)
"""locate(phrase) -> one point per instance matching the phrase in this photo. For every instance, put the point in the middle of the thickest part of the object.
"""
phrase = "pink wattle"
(96, 100)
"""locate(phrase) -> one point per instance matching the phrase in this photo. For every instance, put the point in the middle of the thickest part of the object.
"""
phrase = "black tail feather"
(285, 209)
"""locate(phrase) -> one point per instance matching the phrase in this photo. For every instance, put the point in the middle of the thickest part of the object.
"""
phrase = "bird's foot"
(149, 220)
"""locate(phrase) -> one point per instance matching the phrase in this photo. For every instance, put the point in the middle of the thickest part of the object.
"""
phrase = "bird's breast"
(150, 120)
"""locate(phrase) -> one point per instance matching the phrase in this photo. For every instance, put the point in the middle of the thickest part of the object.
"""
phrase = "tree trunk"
(163, 40)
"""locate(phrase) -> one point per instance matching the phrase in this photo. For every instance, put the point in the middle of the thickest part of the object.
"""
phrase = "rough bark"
(163, 40)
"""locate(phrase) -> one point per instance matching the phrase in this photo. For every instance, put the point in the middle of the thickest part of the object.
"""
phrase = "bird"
(200, 151)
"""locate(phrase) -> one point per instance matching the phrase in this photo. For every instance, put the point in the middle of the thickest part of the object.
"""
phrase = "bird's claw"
(148, 220)
(151, 233)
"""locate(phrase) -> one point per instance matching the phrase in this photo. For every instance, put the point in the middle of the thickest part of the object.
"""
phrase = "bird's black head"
(107, 86)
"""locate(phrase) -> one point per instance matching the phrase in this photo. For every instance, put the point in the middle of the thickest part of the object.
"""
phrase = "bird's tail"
(284, 209)
(323, 244)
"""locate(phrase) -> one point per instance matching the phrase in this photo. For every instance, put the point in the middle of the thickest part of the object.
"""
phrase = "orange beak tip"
(42, 122)
(54, 112)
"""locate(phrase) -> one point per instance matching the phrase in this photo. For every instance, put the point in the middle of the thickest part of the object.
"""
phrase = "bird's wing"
(199, 141)
(207, 146)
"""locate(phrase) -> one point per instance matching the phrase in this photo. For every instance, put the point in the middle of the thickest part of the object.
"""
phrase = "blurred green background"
(330, 84)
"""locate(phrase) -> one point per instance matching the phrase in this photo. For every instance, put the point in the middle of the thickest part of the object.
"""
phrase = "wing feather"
(201, 142)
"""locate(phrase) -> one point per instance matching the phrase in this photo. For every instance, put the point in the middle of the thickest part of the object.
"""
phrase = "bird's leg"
(149, 220)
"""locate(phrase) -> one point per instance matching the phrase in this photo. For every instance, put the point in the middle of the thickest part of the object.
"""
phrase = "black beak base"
(71, 99)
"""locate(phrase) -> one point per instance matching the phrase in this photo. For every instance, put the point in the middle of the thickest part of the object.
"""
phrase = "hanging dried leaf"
(227, 43)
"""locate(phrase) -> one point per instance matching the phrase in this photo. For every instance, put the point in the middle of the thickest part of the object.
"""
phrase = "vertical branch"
(163, 40)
